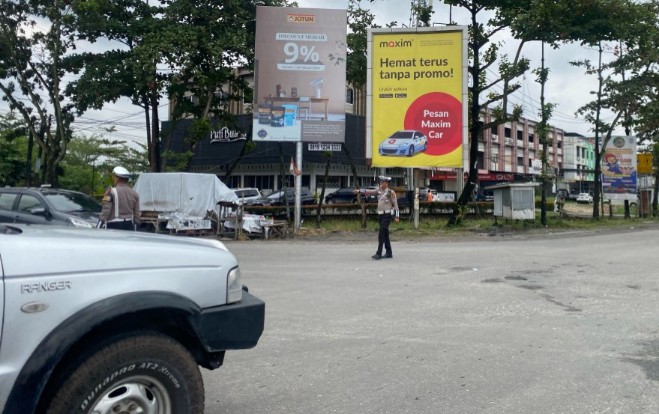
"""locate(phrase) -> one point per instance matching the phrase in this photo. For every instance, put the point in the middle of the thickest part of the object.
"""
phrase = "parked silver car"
(104, 321)
(247, 195)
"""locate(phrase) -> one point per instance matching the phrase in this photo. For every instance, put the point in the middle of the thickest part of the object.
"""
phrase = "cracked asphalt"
(541, 322)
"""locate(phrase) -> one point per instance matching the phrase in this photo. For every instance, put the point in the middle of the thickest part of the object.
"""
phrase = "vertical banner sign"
(418, 94)
(619, 175)
(300, 75)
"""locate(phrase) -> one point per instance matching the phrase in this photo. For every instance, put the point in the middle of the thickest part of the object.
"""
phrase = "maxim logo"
(396, 43)
(301, 18)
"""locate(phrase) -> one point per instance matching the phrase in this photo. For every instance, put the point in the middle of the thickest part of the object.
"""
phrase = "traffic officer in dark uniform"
(387, 209)
(121, 204)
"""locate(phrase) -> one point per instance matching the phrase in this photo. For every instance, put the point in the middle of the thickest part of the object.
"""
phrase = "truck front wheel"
(146, 373)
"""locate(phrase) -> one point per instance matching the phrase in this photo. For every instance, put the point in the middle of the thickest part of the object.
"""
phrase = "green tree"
(625, 23)
(136, 65)
(212, 40)
(483, 54)
(35, 36)
(13, 150)
(637, 62)
(90, 160)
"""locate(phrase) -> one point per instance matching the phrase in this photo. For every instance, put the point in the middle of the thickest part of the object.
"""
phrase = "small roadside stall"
(514, 201)
(183, 201)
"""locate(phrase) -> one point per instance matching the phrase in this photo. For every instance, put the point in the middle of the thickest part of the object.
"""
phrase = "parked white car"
(109, 321)
(247, 195)
(584, 198)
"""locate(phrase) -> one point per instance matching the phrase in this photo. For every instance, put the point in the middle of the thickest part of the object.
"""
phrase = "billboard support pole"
(298, 187)
(415, 176)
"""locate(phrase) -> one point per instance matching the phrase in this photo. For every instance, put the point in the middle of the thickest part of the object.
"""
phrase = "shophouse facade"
(578, 172)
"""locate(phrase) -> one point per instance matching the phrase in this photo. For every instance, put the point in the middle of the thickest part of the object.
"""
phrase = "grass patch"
(435, 225)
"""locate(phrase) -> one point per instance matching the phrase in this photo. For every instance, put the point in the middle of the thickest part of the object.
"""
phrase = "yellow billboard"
(418, 89)
(644, 163)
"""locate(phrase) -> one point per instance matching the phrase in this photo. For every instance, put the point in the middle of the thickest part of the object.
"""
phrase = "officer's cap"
(383, 178)
(121, 172)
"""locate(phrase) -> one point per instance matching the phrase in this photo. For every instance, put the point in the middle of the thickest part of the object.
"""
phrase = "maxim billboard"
(300, 69)
(417, 90)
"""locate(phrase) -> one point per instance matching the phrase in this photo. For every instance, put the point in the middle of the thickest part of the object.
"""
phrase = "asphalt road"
(553, 324)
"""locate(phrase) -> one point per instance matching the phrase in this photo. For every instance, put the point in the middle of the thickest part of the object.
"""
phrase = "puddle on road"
(647, 359)
(515, 278)
(530, 287)
(462, 269)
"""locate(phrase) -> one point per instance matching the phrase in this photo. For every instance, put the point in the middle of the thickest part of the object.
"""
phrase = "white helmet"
(121, 172)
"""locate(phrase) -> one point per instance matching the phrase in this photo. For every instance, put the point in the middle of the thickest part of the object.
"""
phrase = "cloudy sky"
(568, 87)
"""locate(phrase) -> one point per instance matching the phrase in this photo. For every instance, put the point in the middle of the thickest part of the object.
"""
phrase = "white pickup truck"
(97, 321)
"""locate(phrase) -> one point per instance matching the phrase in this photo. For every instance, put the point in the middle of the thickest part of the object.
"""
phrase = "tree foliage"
(90, 160)
(622, 82)
(487, 19)
(35, 36)
(13, 150)
(133, 60)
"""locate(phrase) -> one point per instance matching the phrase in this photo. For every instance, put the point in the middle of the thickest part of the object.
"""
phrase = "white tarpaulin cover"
(251, 222)
(188, 193)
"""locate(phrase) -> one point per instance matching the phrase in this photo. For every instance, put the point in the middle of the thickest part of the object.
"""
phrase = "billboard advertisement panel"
(619, 174)
(300, 75)
(417, 87)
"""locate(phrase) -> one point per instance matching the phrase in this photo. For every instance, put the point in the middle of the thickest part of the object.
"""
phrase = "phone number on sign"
(324, 147)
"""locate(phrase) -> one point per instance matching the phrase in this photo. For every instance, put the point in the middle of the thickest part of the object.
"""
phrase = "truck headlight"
(234, 286)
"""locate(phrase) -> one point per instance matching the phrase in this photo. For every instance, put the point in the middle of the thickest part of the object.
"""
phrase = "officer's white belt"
(119, 220)
(384, 211)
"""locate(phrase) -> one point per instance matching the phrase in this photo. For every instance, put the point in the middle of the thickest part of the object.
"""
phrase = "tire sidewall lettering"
(160, 371)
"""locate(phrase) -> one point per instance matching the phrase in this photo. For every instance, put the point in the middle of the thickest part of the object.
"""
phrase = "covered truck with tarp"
(185, 201)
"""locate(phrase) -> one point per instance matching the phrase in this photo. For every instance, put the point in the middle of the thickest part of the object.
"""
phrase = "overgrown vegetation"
(435, 225)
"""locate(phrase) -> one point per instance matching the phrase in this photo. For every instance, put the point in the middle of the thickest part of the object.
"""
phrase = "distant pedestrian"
(387, 209)
(121, 204)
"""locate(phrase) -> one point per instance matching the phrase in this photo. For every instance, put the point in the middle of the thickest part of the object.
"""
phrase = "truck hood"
(27, 250)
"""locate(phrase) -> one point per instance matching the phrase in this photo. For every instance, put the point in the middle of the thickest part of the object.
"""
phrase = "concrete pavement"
(565, 323)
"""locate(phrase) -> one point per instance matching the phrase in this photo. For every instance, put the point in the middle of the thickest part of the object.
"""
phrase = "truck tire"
(144, 373)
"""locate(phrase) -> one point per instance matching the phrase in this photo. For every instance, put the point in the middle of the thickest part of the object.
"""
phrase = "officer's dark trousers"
(383, 235)
(121, 225)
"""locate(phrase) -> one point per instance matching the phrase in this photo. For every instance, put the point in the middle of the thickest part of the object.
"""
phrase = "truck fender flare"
(35, 374)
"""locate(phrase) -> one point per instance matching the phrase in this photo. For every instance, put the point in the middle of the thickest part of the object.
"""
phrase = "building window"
(480, 161)
(494, 130)
(559, 144)
(520, 161)
(507, 133)
(520, 135)
(350, 96)
(531, 137)
(260, 181)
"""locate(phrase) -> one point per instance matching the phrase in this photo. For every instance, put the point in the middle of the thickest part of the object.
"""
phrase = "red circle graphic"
(439, 117)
